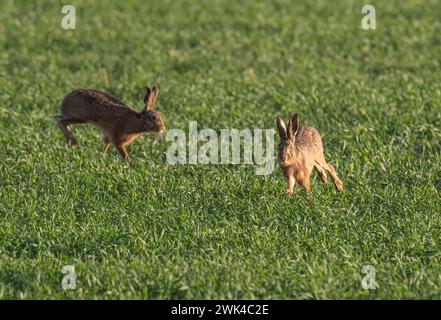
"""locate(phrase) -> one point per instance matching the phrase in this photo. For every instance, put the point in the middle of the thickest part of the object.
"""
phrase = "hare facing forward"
(120, 124)
(301, 151)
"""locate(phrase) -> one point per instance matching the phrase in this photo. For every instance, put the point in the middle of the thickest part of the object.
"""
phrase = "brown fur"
(301, 151)
(120, 124)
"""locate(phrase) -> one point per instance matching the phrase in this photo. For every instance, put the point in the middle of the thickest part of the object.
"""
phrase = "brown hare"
(301, 151)
(120, 124)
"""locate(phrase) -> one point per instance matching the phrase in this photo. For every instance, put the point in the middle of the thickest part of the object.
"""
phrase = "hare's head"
(288, 135)
(151, 118)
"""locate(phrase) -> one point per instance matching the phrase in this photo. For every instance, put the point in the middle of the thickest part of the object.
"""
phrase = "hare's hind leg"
(328, 167)
(123, 152)
(337, 183)
(321, 172)
(106, 144)
(63, 125)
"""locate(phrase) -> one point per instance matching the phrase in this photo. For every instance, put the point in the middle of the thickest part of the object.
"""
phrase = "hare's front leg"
(305, 181)
(291, 183)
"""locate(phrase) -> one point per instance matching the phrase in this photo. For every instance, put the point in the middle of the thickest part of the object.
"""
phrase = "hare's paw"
(73, 143)
(339, 186)
(288, 192)
(308, 198)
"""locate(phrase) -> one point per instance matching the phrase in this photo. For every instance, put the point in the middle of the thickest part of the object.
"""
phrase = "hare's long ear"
(156, 94)
(151, 98)
(281, 127)
(293, 126)
(147, 94)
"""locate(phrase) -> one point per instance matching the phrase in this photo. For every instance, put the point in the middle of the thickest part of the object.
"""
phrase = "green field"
(152, 230)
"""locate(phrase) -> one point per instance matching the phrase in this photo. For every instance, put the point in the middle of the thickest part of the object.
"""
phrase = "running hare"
(300, 151)
(119, 124)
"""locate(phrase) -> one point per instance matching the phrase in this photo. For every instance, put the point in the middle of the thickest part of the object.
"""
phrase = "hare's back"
(94, 97)
(308, 138)
(91, 103)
